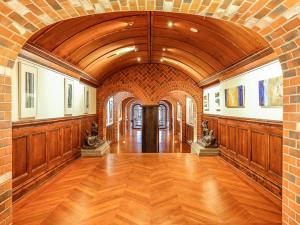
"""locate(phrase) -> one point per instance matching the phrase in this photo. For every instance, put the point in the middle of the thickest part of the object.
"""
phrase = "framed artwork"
(69, 95)
(178, 111)
(235, 97)
(190, 111)
(109, 111)
(271, 92)
(217, 101)
(206, 102)
(27, 90)
(86, 99)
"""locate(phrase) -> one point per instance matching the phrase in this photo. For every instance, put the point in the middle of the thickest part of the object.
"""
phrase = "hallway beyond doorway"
(131, 142)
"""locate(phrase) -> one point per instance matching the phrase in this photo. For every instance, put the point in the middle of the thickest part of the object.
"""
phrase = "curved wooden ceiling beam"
(93, 32)
(197, 61)
(245, 40)
(112, 57)
(109, 49)
(206, 44)
(211, 59)
(184, 59)
(48, 38)
(101, 41)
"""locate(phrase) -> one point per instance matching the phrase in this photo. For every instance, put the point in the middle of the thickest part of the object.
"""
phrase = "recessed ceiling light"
(170, 24)
(130, 24)
(161, 59)
(164, 49)
(139, 59)
(125, 50)
(193, 30)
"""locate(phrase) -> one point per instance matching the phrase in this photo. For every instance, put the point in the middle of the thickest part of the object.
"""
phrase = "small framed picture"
(27, 90)
(86, 99)
(69, 94)
(206, 102)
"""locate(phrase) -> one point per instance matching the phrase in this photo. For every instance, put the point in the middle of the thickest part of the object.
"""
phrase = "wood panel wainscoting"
(189, 133)
(253, 146)
(40, 148)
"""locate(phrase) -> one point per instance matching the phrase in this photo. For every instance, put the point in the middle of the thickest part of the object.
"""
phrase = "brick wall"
(148, 83)
(276, 21)
(5, 150)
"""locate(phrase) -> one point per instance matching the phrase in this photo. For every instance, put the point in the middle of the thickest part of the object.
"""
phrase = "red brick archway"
(277, 21)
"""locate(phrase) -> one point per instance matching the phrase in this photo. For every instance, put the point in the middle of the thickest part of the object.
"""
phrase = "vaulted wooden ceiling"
(100, 44)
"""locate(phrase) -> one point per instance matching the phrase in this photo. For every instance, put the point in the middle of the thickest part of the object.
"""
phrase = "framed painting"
(206, 102)
(86, 99)
(27, 90)
(217, 101)
(235, 97)
(271, 92)
(69, 95)
(178, 106)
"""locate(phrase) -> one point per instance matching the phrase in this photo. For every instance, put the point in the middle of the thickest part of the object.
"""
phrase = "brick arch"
(277, 21)
(185, 87)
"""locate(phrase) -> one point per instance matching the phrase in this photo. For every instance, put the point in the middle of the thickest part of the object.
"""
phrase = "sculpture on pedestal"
(208, 139)
(91, 139)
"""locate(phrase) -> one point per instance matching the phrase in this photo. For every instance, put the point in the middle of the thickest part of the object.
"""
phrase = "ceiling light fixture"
(193, 30)
(161, 59)
(125, 50)
(130, 24)
(170, 24)
(139, 59)
(164, 49)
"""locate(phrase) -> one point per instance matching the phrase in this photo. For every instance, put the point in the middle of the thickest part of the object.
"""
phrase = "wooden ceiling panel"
(198, 46)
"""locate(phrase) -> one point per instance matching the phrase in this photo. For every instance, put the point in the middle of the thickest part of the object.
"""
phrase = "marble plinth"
(198, 149)
(103, 149)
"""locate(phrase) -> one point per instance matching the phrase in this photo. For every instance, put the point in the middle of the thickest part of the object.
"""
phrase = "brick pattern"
(5, 150)
(276, 21)
(149, 84)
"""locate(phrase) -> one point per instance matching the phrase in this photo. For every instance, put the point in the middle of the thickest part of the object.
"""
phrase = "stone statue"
(91, 139)
(94, 129)
(208, 139)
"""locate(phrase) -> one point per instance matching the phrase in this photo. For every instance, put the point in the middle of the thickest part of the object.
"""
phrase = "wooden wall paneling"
(42, 147)
(20, 159)
(38, 159)
(259, 146)
(222, 135)
(76, 137)
(243, 143)
(275, 153)
(253, 146)
(67, 140)
(231, 137)
(54, 147)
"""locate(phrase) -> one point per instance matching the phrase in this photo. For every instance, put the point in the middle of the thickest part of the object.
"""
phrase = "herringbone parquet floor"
(147, 189)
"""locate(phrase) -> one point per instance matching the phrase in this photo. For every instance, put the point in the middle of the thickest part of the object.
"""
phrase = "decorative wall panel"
(42, 147)
(253, 146)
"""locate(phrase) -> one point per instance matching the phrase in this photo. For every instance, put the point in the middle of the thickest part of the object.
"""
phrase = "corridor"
(132, 143)
(155, 82)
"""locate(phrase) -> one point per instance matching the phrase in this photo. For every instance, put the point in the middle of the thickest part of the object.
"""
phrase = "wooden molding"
(258, 59)
(252, 120)
(51, 61)
(35, 122)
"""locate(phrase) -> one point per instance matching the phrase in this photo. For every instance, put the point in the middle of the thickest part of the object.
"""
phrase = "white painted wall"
(50, 94)
(250, 81)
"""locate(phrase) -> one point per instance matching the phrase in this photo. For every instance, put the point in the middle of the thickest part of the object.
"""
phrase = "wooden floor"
(132, 143)
(147, 189)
